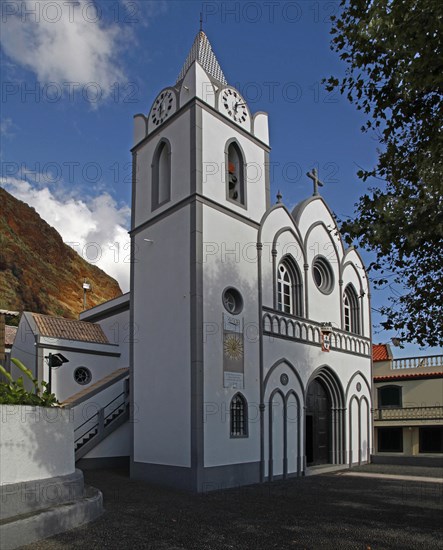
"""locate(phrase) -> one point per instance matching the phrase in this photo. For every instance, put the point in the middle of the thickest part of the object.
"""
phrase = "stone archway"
(324, 419)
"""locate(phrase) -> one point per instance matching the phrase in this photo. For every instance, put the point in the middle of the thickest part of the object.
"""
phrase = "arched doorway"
(318, 424)
(325, 419)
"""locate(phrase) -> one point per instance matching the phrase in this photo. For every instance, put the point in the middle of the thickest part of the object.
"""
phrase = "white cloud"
(6, 127)
(95, 229)
(63, 42)
(140, 11)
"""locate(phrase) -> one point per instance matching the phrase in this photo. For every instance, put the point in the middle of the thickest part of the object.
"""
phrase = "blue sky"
(75, 73)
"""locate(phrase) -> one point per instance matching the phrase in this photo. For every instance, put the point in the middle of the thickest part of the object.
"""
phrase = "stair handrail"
(96, 388)
(99, 418)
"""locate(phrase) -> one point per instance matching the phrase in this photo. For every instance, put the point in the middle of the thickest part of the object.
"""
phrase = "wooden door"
(318, 424)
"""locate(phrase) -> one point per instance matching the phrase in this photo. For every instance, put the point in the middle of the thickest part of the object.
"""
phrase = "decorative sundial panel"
(233, 352)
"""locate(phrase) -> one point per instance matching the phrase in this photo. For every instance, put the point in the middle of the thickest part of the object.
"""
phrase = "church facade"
(250, 355)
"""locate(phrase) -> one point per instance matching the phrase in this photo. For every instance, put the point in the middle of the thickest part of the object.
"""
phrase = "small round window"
(233, 301)
(323, 275)
(82, 375)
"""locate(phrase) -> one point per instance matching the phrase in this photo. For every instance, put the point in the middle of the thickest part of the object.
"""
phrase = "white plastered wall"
(162, 360)
(215, 135)
(177, 133)
(229, 259)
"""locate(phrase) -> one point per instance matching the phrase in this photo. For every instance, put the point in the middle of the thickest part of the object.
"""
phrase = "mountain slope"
(38, 272)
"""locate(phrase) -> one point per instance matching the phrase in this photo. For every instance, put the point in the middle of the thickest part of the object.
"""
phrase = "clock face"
(234, 106)
(163, 107)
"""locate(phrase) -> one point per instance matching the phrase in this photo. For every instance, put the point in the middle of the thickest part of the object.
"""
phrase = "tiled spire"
(201, 51)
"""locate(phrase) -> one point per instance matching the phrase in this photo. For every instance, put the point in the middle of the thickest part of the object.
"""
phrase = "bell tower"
(200, 189)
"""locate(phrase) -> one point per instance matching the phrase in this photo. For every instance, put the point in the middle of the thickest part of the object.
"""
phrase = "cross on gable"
(314, 177)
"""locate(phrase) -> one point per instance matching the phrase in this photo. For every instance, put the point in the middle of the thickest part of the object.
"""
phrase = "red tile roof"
(10, 333)
(380, 352)
(408, 376)
(69, 329)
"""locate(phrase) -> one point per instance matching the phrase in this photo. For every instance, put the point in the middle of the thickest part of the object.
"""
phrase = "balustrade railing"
(409, 413)
(278, 324)
(433, 361)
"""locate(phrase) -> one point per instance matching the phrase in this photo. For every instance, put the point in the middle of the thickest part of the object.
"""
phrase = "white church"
(250, 358)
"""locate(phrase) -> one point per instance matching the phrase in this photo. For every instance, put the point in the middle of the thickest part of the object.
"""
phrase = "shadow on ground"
(326, 511)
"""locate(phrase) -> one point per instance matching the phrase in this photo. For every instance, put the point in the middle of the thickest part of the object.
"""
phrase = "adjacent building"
(408, 408)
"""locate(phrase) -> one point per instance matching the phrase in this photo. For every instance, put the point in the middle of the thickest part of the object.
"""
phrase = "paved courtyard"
(331, 511)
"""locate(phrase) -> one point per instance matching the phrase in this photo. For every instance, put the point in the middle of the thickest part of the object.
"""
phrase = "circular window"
(82, 375)
(284, 379)
(358, 386)
(233, 301)
(323, 275)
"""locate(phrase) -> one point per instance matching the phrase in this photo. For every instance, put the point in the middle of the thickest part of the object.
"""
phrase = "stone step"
(28, 528)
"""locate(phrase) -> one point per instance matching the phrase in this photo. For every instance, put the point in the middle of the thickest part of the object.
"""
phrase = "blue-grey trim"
(103, 462)
(197, 352)
(261, 361)
(240, 296)
(342, 267)
(270, 310)
(297, 236)
(368, 428)
(107, 313)
(368, 385)
(267, 179)
(213, 478)
(334, 387)
(243, 167)
(228, 212)
(319, 258)
(297, 281)
(78, 350)
(29, 496)
(132, 307)
(291, 367)
(229, 476)
(98, 389)
(266, 215)
(316, 344)
(351, 460)
(300, 417)
(276, 391)
(155, 178)
(196, 150)
(209, 109)
(186, 202)
(177, 477)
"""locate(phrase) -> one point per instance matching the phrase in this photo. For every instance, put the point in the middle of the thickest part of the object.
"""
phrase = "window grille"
(239, 416)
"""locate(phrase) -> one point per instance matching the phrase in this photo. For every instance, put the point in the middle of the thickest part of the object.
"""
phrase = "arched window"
(389, 396)
(161, 175)
(235, 190)
(289, 288)
(239, 416)
(351, 310)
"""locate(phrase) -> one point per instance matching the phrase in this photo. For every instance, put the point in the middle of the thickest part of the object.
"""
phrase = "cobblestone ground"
(330, 511)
